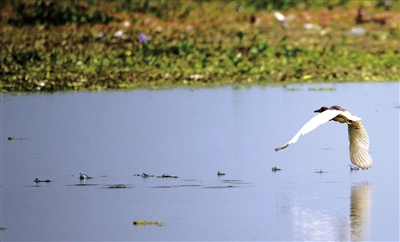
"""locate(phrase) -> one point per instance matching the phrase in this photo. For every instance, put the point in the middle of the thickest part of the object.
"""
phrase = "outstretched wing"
(359, 145)
(312, 124)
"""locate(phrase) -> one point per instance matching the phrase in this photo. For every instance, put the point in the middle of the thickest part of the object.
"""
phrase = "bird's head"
(322, 109)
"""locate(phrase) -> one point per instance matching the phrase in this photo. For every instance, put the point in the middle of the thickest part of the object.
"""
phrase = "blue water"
(193, 134)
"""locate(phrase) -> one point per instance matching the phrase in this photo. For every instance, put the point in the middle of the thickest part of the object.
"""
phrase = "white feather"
(350, 116)
(359, 145)
(312, 124)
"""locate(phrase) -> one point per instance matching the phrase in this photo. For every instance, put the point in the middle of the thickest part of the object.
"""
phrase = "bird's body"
(358, 137)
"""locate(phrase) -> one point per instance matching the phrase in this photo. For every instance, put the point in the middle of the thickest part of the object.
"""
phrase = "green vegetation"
(98, 45)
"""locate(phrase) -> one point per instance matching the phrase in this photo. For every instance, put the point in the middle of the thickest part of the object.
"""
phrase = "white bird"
(358, 137)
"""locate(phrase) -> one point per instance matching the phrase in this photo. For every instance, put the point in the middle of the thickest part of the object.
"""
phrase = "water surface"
(193, 134)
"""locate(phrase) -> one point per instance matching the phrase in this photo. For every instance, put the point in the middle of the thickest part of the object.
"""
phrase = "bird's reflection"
(309, 223)
(360, 205)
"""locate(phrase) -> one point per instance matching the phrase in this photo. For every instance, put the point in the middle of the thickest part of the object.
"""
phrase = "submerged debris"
(84, 184)
(166, 175)
(274, 169)
(83, 176)
(12, 138)
(118, 186)
(37, 180)
(353, 167)
(142, 222)
(144, 175)
(229, 186)
(220, 173)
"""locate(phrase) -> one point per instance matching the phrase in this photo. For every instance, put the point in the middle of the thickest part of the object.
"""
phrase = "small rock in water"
(83, 176)
(37, 180)
(166, 175)
(144, 174)
(353, 167)
(275, 169)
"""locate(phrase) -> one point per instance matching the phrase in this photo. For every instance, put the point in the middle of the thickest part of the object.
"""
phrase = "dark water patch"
(117, 186)
(84, 185)
(213, 187)
(37, 185)
(235, 182)
(176, 186)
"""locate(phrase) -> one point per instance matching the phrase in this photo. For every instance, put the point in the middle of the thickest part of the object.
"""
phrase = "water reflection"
(360, 211)
(318, 225)
(309, 223)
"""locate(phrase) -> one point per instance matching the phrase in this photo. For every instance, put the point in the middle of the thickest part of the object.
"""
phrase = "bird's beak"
(318, 110)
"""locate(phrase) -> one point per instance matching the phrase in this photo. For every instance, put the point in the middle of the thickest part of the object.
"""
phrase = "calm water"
(193, 134)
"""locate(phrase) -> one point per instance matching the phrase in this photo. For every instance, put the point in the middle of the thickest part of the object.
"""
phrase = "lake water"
(193, 134)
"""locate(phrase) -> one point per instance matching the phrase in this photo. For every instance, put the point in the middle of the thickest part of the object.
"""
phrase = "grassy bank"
(122, 45)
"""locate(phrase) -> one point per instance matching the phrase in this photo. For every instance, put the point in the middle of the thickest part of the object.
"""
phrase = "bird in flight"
(358, 137)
